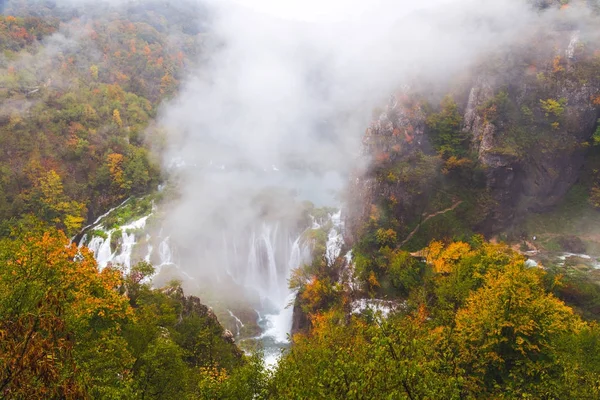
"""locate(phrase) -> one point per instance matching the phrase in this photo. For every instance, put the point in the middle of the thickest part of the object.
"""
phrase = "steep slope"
(78, 98)
(513, 143)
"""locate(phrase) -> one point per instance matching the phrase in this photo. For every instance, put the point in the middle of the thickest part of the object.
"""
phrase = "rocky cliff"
(510, 141)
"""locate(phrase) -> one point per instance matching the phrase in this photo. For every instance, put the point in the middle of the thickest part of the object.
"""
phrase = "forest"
(458, 311)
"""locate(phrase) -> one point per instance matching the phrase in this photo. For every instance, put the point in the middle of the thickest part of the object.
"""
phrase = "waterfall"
(150, 249)
(335, 239)
(101, 246)
(165, 253)
(101, 249)
(258, 257)
(238, 323)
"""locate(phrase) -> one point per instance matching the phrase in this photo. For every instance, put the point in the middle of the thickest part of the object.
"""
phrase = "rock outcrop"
(528, 117)
(532, 146)
(191, 306)
(398, 134)
(300, 321)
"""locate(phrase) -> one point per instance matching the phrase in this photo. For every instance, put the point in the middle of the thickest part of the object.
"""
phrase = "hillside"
(79, 97)
(151, 249)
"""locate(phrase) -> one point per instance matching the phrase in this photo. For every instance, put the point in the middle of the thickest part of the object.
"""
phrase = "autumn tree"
(362, 359)
(509, 331)
(50, 203)
(59, 320)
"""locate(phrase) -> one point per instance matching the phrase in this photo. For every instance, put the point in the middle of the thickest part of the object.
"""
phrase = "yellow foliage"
(115, 167)
(117, 118)
(386, 237)
(444, 259)
(14, 120)
(89, 112)
(314, 293)
(94, 71)
(556, 65)
(454, 163)
(213, 374)
(511, 316)
(73, 222)
(373, 282)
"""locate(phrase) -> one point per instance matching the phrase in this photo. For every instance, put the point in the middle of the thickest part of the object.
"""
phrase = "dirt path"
(427, 218)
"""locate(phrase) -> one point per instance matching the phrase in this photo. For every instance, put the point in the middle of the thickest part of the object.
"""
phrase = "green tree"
(445, 129)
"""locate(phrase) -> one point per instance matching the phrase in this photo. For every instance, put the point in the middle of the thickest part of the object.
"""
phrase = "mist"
(288, 88)
(274, 112)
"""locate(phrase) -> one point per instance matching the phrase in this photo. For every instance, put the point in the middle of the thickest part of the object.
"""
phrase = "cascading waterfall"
(335, 239)
(164, 252)
(259, 258)
(150, 249)
(238, 323)
(101, 246)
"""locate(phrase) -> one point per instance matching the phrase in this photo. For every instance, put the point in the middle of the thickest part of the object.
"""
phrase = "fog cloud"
(289, 88)
(286, 90)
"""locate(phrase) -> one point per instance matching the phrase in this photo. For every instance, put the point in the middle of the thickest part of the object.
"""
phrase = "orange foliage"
(75, 128)
(115, 92)
(556, 65)
(422, 315)
(121, 77)
(167, 84)
(374, 214)
(37, 342)
(373, 282)
(72, 142)
(382, 157)
(315, 293)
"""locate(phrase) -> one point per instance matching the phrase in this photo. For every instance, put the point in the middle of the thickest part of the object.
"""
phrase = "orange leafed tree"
(52, 293)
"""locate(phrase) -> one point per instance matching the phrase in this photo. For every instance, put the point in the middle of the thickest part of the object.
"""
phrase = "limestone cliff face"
(533, 174)
(528, 120)
(397, 136)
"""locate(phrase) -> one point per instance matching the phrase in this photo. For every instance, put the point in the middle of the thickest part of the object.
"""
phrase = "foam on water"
(101, 248)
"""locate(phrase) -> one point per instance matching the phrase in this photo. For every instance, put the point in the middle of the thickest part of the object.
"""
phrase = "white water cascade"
(101, 246)
(335, 239)
(257, 258)
(238, 323)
